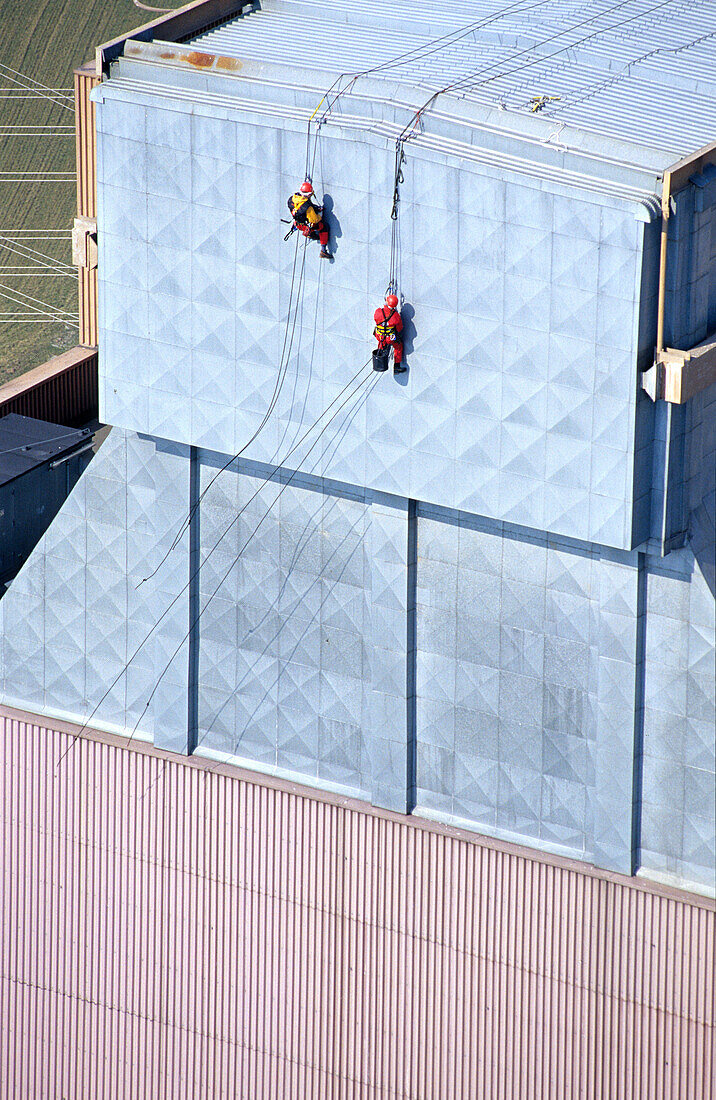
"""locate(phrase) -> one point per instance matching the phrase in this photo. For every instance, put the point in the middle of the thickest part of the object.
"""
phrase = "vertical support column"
(638, 768)
(618, 712)
(194, 601)
(674, 518)
(393, 561)
(175, 481)
(86, 156)
(412, 653)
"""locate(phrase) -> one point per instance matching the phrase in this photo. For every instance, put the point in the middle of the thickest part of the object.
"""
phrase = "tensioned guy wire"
(299, 601)
(280, 378)
(467, 82)
(417, 53)
(193, 576)
(255, 531)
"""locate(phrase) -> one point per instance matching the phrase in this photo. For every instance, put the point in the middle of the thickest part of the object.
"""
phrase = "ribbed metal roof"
(643, 71)
(26, 443)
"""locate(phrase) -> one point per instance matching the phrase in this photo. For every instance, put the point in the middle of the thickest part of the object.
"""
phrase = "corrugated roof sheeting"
(171, 930)
(641, 70)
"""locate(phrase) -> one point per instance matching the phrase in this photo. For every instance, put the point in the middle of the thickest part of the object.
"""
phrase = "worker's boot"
(380, 358)
(325, 254)
(399, 368)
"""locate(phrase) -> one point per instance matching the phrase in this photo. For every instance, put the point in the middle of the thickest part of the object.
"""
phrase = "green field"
(42, 42)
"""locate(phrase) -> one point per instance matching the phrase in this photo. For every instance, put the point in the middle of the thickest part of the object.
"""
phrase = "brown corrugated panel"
(176, 928)
(86, 156)
(63, 390)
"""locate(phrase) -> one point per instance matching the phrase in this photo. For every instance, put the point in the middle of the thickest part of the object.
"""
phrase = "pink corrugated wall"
(178, 929)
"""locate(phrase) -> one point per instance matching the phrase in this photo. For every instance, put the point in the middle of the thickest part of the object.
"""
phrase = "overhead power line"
(52, 266)
(41, 309)
(33, 93)
(36, 234)
(29, 297)
(7, 271)
(37, 177)
(20, 249)
(48, 130)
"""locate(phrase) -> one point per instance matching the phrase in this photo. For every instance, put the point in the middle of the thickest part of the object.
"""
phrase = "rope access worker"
(306, 216)
(387, 331)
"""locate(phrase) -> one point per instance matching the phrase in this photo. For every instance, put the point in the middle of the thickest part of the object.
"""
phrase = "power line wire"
(37, 177)
(40, 88)
(30, 299)
(33, 311)
(28, 253)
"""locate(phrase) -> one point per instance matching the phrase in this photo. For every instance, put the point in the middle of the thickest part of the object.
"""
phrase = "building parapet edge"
(258, 779)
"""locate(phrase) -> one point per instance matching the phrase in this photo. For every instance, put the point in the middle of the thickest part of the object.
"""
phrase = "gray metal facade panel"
(514, 710)
(679, 767)
(284, 675)
(520, 401)
(171, 931)
(527, 673)
(82, 607)
(640, 70)
(518, 422)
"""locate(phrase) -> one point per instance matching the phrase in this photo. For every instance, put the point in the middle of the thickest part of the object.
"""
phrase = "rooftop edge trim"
(192, 19)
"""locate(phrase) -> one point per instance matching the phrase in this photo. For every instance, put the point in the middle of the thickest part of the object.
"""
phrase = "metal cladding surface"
(178, 929)
(637, 70)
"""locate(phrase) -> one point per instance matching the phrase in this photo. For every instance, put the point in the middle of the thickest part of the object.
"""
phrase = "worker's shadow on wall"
(407, 313)
(331, 222)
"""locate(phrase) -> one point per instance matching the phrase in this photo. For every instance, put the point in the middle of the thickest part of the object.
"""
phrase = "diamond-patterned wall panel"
(285, 618)
(679, 766)
(526, 680)
(519, 312)
(86, 623)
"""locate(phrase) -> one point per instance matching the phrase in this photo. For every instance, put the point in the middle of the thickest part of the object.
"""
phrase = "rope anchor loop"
(399, 178)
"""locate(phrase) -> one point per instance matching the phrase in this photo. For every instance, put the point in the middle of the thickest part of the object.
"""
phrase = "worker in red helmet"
(387, 331)
(306, 216)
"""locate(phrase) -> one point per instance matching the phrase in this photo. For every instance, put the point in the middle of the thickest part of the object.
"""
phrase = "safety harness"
(300, 207)
(384, 328)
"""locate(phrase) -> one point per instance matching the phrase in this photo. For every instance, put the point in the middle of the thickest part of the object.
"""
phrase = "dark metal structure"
(39, 465)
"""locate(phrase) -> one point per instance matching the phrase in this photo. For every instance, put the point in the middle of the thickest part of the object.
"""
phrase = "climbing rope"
(398, 178)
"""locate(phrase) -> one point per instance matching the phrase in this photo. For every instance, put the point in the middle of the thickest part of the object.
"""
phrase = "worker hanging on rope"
(307, 217)
(387, 331)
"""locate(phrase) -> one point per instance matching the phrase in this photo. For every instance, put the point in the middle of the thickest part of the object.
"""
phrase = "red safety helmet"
(306, 188)
(391, 300)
